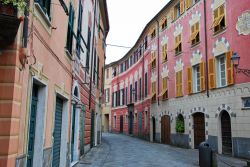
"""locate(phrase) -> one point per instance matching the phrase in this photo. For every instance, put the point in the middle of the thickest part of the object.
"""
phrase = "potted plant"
(9, 7)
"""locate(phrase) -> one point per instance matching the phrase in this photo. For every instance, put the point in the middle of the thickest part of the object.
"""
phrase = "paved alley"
(123, 151)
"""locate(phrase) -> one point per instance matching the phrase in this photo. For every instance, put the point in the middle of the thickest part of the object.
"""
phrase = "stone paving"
(119, 150)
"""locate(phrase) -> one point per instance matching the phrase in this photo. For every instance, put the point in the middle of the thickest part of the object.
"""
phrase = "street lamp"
(236, 61)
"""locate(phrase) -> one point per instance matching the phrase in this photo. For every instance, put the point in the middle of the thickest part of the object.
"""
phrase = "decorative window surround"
(221, 46)
(196, 58)
(165, 71)
(178, 65)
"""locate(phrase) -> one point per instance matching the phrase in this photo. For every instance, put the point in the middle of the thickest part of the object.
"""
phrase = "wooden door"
(154, 128)
(32, 126)
(57, 133)
(73, 133)
(226, 133)
(121, 124)
(165, 129)
(199, 129)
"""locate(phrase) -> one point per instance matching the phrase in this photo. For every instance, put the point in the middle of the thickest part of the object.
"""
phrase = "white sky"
(127, 20)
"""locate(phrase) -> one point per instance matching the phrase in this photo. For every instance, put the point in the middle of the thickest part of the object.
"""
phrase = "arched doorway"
(165, 129)
(199, 128)
(226, 133)
(154, 128)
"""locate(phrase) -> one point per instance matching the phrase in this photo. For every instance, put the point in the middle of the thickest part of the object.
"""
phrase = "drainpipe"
(158, 61)
(26, 25)
(92, 53)
(206, 54)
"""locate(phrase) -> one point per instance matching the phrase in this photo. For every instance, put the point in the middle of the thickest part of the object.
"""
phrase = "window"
(197, 81)
(153, 59)
(177, 11)
(107, 92)
(221, 65)
(114, 99)
(122, 95)
(221, 71)
(131, 60)
(114, 72)
(178, 77)
(79, 30)
(219, 22)
(164, 53)
(180, 125)
(88, 47)
(145, 42)
(246, 102)
(118, 98)
(45, 6)
(153, 91)
(140, 89)
(135, 91)
(153, 34)
(146, 84)
(164, 93)
(164, 24)
(131, 93)
(126, 96)
(145, 119)
(70, 33)
(178, 48)
(195, 34)
(107, 73)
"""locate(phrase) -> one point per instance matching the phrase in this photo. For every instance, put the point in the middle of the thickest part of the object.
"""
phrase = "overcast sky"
(127, 20)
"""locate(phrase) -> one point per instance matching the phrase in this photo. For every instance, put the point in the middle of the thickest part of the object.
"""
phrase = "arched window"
(180, 125)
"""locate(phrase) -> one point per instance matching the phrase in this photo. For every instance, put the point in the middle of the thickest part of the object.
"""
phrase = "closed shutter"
(177, 84)
(180, 83)
(190, 80)
(230, 75)
(172, 14)
(57, 133)
(182, 6)
(212, 77)
(202, 76)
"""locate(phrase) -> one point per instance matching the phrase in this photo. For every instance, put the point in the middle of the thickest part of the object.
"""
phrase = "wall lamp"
(236, 61)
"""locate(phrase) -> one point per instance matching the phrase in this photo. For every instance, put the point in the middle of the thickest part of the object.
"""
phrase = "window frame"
(219, 71)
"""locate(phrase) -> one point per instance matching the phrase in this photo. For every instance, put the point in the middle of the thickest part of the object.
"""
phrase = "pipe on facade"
(206, 54)
(158, 61)
(92, 53)
(26, 25)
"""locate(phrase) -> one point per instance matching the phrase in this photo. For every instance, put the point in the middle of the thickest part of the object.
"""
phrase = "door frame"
(41, 113)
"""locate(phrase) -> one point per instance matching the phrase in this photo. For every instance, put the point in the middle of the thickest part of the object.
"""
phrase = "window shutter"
(180, 83)
(172, 14)
(190, 80)
(187, 4)
(182, 6)
(202, 76)
(212, 79)
(177, 83)
(230, 74)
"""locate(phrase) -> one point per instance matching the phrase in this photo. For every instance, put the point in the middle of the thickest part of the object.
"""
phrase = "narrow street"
(123, 151)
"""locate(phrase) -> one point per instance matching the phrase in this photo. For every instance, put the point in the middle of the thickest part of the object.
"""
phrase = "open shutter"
(202, 76)
(190, 80)
(230, 75)
(180, 83)
(172, 14)
(212, 79)
(182, 6)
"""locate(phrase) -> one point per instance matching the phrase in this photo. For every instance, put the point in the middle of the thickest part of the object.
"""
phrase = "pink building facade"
(183, 84)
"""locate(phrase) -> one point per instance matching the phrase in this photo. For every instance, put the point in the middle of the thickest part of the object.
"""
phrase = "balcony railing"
(9, 24)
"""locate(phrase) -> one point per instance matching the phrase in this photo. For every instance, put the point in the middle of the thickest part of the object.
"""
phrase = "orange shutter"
(180, 83)
(190, 80)
(202, 76)
(172, 14)
(182, 6)
(187, 4)
(212, 79)
(230, 74)
(177, 83)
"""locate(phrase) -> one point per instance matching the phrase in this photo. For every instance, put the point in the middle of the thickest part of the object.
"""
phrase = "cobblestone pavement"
(123, 151)
(119, 150)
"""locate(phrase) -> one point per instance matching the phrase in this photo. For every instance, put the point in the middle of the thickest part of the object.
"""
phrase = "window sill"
(69, 55)
(245, 108)
(164, 61)
(195, 45)
(42, 17)
(220, 32)
(179, 53)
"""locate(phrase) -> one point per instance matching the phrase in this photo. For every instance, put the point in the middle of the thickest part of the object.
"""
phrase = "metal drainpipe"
(158, 61)
(91, 64)
(206, 54)
(26, 25)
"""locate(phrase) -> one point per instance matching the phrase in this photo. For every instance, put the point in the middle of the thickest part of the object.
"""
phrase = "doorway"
(154, 129)
(199, 129)
(226, 133)
(121, 124)
(165, 129)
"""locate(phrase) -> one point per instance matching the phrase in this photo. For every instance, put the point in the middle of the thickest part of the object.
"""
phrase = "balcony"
(9, 23)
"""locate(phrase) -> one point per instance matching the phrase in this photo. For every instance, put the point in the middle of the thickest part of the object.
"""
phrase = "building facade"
(106, 106)
(178, 82)
(44, 108)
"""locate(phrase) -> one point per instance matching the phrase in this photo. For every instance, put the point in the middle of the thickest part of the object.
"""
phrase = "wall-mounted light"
(236, 62)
